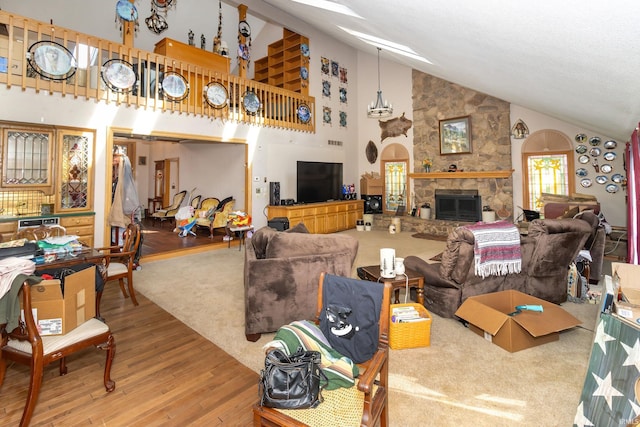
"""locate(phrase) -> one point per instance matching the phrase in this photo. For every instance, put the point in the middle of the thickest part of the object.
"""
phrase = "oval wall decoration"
(371, 152)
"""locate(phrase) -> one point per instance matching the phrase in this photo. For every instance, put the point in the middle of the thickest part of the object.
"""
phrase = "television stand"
(323, 217)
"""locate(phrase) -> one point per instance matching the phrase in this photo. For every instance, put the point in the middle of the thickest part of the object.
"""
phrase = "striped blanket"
(496, 248)
(339, 369)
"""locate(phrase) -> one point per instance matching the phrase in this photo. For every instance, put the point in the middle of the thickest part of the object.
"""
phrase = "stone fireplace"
(434, 100)
(458, 205)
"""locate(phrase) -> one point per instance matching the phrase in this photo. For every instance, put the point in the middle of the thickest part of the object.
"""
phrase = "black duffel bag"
(291, 381)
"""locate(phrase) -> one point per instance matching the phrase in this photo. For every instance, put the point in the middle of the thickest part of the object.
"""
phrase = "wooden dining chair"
(120, 261)
(26, 346)
(364, 404)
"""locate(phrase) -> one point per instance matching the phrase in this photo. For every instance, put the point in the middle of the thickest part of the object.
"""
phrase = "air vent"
(332, 142)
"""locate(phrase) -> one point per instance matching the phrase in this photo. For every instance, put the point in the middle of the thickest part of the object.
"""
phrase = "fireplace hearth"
(458, 205)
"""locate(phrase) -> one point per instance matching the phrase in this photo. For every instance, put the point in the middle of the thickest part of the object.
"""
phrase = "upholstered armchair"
(216, 215)
(281, 271)
(169, 212)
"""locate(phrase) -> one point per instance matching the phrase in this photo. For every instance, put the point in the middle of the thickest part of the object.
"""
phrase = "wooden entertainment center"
(321, 218)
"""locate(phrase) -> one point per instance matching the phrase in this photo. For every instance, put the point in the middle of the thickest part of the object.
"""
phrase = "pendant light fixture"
(381, 108)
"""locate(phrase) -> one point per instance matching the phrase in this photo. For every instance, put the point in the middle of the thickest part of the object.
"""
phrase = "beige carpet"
(460, 380)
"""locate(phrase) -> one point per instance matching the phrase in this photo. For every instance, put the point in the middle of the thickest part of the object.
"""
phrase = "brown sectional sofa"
(547, 251)
(281, 272)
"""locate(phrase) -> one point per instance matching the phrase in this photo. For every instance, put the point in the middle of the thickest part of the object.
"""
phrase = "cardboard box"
(55, 314)
(625, 281)
(488, 316)
(371, 186)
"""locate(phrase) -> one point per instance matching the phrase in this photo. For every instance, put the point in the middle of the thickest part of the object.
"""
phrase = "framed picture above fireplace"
(455, 135)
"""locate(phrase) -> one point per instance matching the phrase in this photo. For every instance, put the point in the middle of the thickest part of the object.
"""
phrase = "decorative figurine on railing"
(203, 42)
(191, 36)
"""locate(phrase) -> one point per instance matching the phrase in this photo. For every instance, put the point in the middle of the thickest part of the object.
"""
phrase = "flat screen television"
(318, 182)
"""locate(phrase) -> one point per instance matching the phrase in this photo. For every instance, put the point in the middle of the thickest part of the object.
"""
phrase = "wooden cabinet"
(286, 64)
(207, 64)
(81, 226)
(190, 54)
(321, 218)
(27, 158)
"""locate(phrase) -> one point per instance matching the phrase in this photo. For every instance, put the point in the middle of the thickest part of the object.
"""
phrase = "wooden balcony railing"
(279, 107)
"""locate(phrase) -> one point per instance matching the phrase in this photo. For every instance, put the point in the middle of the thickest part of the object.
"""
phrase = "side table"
(242, 230)
(415, 280)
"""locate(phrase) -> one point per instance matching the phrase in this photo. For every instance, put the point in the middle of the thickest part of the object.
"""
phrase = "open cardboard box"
(488, 316)
(625, 279)
(55, 314)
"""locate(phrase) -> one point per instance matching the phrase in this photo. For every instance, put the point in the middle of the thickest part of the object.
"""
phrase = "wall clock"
(216, 94)
(244, 29)
(250, 102)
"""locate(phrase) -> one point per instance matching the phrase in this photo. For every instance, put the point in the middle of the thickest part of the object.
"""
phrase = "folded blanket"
(339, 369)
(496, 248)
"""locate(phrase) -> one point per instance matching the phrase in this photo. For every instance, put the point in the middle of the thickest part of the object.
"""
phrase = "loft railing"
(279, 107)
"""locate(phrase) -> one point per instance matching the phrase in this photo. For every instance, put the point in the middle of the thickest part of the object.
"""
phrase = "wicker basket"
(410, 334)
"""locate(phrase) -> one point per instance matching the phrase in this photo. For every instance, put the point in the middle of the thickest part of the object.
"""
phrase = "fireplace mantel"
(462, 175)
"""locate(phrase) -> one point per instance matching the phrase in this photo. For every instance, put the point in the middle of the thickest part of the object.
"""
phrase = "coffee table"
(372, 273)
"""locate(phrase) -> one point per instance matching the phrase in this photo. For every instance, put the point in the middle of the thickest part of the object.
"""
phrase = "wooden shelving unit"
(283, 64)
(462, 175)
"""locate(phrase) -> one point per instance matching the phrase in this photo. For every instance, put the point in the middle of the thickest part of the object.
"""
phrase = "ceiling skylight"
(331, 6)
(386, 45)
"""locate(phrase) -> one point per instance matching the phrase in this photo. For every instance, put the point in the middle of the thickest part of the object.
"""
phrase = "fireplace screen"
(458, 205)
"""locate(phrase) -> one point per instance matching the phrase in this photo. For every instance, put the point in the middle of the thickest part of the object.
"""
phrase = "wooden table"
(415, 280)
(241, 230)
(71, 259)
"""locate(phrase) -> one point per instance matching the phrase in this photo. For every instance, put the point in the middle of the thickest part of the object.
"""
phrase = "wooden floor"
(160, 241)
(166, 375)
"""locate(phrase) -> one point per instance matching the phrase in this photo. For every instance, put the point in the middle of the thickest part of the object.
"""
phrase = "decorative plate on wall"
(609, 156)
(582, 172)
(216, 94)
(610, 145)
(583, 159)
(51, 60)
(581, 149)
(250, 102)
(606, 168)
(595, 152)
(304, 49)
(617, 178)
(126, 11)
(612, 188)
(174, 86)
(594, 141)
(304, 73)
(601, 179)
(586, 183)
(304, 113)
(118, 75)
(581, 137)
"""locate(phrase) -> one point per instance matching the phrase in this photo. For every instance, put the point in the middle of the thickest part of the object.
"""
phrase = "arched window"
(395, 167)
(547, 165)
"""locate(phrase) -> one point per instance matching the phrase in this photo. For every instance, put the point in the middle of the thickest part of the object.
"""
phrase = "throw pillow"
(298, 228)
(260, 240)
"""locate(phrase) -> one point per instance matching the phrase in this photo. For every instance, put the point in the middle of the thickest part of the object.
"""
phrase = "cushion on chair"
(116, 268)
(341, 407)
(88, 329)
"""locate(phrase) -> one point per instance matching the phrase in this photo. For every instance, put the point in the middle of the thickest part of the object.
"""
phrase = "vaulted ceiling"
(576, 60)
